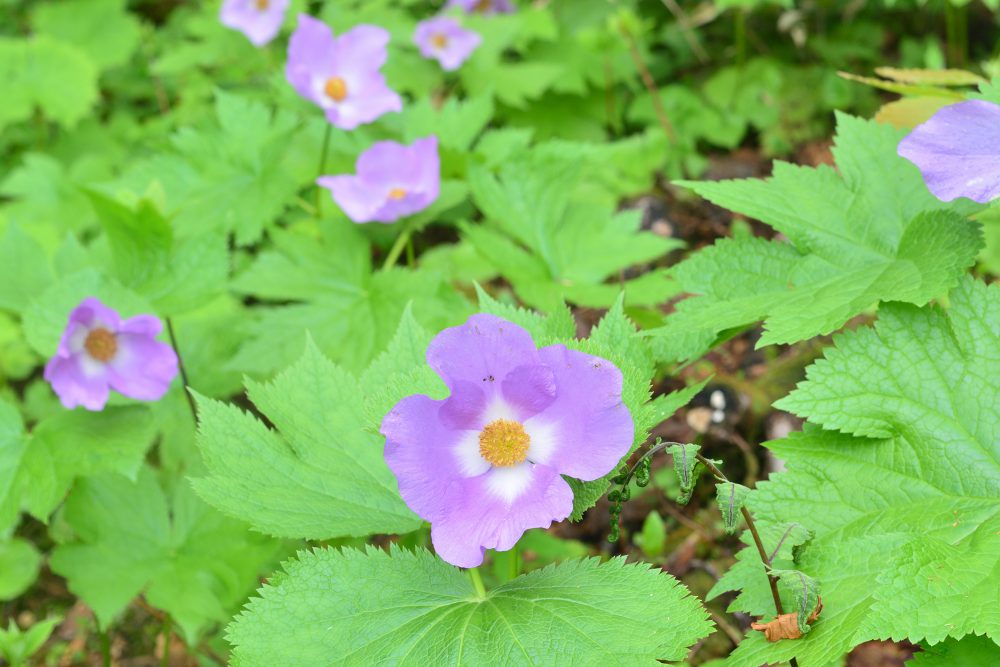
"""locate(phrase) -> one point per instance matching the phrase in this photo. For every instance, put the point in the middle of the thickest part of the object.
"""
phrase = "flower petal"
(143, 367)
(483, 351)
(363, 46)
(359, 201)
(310, 52)
(423, 454)
(958, 151)
(497, 508)
(529, 390)
(77, 382)
(586, 431)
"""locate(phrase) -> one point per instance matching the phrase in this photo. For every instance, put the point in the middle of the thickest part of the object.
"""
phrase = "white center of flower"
(504, 442)
(101, 344)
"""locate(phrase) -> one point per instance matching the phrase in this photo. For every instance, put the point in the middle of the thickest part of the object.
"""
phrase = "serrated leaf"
(914, 399)
(803, 590)
(731, 497)
(970, 650)
(188, 559)
(100, 28)
(406, 608)
(687, 468)
(47, 75)
(868, 234)
(38, 468)
(320, 475)
(25, 270)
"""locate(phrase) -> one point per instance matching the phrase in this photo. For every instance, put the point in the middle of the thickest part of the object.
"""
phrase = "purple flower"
(392, 181)
(443, 39)
(483, 6)
(341, 74)
(98, 352)
(485, 464)
(958, 151)
(259, 20)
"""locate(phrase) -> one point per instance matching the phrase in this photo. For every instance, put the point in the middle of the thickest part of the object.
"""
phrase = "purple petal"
(587, 429)
(483, 6)
(495, 509)
(958, 151)
(362, 47)
(369, 98)
(529, 390)
(310, 54)
(482, 351)
(92, 313)
(78, 381)
(465, 408)
(259, 25)
(147, 325)
(356, 198)
(143, 367)
(443, 39)
(422, 453)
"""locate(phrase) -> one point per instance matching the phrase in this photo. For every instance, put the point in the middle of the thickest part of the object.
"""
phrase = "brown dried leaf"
(785, 626)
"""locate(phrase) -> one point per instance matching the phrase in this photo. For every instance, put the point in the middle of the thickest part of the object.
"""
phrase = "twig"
(184, 375)
(686, 29)
(650, 83)
(322, 167)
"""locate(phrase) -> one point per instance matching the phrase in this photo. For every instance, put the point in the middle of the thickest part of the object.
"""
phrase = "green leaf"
(653, 537)
(17, 646)
(132, 537)
(801, 588)
(25, 270)
(236, 175)
(731, 498)
(455, 123)
(38, 468)
(178, 275)
(406, 608)
(869, 233)
(19, 564)
(970, 650)
(100, 28)
(320, 475)
(351, 312)
(909, 410)
(47, 75)
(687, 468)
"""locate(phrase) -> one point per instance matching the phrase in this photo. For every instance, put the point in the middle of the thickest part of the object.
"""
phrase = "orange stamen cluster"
(504, 443)
(336, 89)
(101, 344)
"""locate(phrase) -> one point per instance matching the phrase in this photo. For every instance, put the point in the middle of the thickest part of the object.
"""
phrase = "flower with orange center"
(397, 193)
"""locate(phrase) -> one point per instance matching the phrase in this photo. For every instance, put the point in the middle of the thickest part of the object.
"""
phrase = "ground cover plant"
(565, 332)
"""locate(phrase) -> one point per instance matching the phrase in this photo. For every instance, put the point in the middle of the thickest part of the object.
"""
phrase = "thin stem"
(771, 579)
(165, 658)
(514, 563)
(740, 35)
(397, 247)
(322, 168)
(686, 29)
(105, 649)
(477, 582)
(649, 82)
(183, 370)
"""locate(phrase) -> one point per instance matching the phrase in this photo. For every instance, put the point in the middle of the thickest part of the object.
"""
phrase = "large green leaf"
(320, 475)
(403, 608)
(132, 538)
(45, 75)
(38, 468)
(867, 233)
(901, 489)
(100, 28)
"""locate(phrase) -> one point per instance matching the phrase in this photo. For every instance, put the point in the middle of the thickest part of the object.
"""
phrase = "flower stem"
(771, 579)
(165, 659)
(397, 247)
(477, 582)
(184, 375)
(649, 82)
(322, 168)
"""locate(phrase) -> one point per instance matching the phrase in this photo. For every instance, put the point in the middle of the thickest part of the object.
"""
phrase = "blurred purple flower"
(341, 74)
(392, 181)
(958, 151)
(443, 39)
(483, 6)
(485, 464)
(98, 351)
(259, 20)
